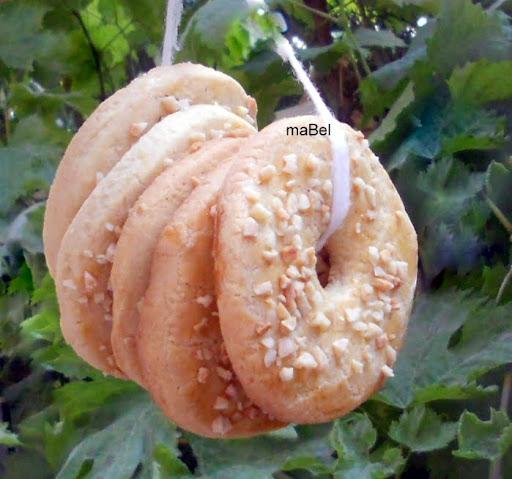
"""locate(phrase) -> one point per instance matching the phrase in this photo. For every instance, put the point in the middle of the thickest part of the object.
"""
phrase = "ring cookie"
(88, 247)
(118, 122)
(139, 236)
(185, 365)
(303, 352)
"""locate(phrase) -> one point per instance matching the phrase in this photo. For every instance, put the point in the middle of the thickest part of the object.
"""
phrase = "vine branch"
(96, 54)
(345, 24)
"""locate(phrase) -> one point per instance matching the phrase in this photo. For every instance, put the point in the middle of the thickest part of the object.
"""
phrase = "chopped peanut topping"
(202, 375)
(290, 164)
(353, 314)
(250, 229)
(224, 373)
(263, 328)
(286, 374)
(289, 254)
(136, 129)
(381, 341)
(251, 194)
(282, 312)
(89, 281)
(267, 172)
(359, 326)
(304, 203)
(169, 104)
(357, 366)
(290, 324)
(286, 346)
(241, 110)
(358, 184)
(204, 301)
(382, 284)
(312, 163)
(69, 283)
(305, 361)
(260, 213)
(292, 204)
(270, 357)
(263, 289)
(270, 256)
(321, 321)
(321, 357)
(390, 353)
(340, 347)
(221, 425)
(221, 404)
(268, 342)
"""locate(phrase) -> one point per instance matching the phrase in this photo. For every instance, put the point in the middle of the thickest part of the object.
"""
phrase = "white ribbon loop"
(172, 23)
(339, 147)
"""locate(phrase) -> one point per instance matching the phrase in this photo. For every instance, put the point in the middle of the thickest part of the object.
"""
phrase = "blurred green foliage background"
(429, 81)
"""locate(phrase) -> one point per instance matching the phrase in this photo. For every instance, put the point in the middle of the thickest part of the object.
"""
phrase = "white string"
(339, 147)
(172, 22)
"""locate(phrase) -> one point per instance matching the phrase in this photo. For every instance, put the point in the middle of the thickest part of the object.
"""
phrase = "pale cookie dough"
(118, 122)
(305, 353)
(132, 261)
(88, 247)
(185, 365)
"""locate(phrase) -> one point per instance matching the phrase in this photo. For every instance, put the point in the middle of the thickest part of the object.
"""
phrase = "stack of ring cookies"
(184, 243)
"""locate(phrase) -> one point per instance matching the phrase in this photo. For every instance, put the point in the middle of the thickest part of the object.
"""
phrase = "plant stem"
(495, 469)
(499, 214)
(496, 5)
(96, 55)
(342, 22)
(315, 11)
(504, 284)
(7, 128)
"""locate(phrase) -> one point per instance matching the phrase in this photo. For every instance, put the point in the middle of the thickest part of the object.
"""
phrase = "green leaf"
(326, 57)
(440, 199)
(78, 398)
(28, 164)
(422, 430)
(498, 183)
(29, 98)
(26, 229)
(8, 438)
(268, 79)
(484, 439)
(481, 82)
(390, 74)
(295, 10)
(22, 25)
(223, 32)
(493, 278)
(431, 361)
(259, 457)
(311, 464)
(125, 445)
(366, 37)
(465, 32)
(23, 282)
(448, 186)
(389, 123)
(353, 438)
(167, 465)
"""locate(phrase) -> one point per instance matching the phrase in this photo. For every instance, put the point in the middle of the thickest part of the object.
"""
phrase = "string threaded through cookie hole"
(323, 266)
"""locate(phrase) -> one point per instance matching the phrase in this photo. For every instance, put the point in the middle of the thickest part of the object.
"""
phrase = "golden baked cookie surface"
(304, 352)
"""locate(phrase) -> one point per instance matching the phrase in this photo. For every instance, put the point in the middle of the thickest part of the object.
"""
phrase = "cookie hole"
(323, 266)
